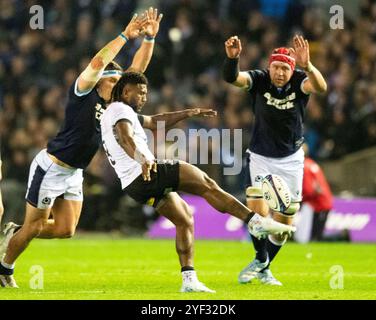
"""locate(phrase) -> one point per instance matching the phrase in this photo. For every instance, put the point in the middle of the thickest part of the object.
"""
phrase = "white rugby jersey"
(127, 169)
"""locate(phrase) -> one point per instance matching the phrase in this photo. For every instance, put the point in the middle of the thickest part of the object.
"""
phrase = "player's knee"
(188, 215)
(67, 232)
(210, 184)
(1, 210)
(189, 222)
(185, 222)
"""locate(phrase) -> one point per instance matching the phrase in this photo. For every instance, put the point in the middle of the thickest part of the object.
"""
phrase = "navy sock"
(5, 271)
(187, 268)
(272, 250)
(260, 247)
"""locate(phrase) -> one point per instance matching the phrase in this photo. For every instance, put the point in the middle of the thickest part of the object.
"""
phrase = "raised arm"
(231, 71)
(316, 82)
(125, 134)
(171, 118)
(93, 72)
(143, 55)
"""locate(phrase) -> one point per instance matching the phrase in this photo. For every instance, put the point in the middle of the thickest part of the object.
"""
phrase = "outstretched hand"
(151, 27)
(136, 26)
(300, 52)
(202, 112)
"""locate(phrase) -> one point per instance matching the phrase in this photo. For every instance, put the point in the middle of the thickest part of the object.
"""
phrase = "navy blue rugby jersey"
(80, 136)
(279, 114)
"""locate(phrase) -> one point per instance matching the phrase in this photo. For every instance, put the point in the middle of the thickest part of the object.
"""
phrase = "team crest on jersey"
(281, 104)
(99, 111)
(46, 200)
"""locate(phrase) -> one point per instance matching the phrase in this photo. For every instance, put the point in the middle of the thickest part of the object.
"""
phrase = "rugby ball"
(276, 192)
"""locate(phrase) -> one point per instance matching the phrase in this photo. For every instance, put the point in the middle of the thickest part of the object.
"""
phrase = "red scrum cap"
(282, 55)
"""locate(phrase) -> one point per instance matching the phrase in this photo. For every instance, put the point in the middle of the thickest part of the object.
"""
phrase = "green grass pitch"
(101, 267)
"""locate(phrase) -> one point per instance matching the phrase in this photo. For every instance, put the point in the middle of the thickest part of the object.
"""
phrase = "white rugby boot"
(260, 227)
(266, 277)
(7, 281)
(9, 230)
(192, 284)
(195, 286)
(251, 271)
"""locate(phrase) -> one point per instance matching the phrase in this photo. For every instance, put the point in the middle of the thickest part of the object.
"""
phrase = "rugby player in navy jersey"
(55, 178)
(278, 97)
(153, 182)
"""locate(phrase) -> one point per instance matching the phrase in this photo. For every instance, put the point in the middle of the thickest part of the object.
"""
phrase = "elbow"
(319, 88)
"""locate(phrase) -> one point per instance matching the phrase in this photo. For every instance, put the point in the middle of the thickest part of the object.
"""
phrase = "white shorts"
(48, 181)
(290, 168)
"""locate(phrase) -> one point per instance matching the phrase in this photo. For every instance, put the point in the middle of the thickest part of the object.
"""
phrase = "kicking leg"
(193, 180)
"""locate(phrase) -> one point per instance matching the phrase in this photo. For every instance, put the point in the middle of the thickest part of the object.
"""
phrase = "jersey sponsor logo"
(281, 104)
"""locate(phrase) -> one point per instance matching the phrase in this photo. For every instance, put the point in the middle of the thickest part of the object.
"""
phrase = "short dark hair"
(127, 78)
(113, 66)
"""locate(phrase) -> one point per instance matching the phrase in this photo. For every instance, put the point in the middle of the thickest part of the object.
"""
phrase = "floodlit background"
(38, 66)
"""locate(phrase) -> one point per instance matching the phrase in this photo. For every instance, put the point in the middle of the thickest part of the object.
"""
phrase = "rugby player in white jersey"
(278, 97)
(155, 182)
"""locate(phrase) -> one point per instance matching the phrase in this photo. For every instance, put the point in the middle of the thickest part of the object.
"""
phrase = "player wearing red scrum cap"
(278, 96)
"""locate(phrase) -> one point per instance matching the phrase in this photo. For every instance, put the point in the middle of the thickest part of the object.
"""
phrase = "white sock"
(189, 276)
(7, 265)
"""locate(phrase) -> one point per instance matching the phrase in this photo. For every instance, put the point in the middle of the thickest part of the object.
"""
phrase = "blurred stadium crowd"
(38, 66)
